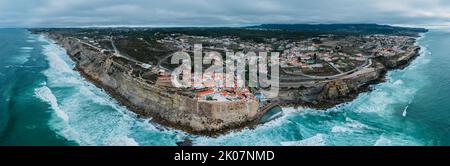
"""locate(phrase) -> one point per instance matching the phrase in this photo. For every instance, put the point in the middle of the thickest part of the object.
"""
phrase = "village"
(324, 56)
(316, 57)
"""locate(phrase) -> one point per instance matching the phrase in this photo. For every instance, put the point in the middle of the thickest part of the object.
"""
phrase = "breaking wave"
(95, 118)
(26, 48)
(374, 118)
(317, 140)
(45, 94)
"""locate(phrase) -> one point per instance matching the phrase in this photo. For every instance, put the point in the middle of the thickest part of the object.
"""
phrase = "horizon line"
(219, 25)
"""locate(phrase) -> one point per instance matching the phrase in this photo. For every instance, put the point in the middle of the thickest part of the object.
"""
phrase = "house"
(203, 94)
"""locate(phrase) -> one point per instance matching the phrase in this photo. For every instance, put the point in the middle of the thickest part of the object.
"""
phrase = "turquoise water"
(45, 102)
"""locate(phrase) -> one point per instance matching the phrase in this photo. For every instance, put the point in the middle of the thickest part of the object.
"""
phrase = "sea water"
(45, 102)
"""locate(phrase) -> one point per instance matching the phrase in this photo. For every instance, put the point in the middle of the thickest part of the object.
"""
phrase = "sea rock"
(333, 90)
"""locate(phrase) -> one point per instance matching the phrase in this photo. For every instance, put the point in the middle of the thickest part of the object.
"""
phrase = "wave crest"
(45, 94)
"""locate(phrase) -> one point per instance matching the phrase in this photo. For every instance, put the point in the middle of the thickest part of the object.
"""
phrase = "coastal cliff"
(329, 93)
(165, 105)
(172, 108)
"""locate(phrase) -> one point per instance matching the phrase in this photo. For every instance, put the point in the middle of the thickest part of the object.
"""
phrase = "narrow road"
(118, 54)
(162, 60)
(366, 64)
(335, 67)
(90, 45)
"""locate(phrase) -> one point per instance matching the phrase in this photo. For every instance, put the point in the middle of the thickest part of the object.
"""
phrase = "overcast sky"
(51, 13)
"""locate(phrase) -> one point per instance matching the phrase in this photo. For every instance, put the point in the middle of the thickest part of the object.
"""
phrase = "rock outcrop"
(400, 61)
(173, 108)
(333, 90)
(328, 93)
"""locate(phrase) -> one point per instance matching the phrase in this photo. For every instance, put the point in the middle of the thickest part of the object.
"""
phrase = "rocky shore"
(328, 94)
(170, 108)
(166, 106)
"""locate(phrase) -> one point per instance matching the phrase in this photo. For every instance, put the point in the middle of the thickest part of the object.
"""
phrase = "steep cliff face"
(331, 92)
(325, 94)
(348, 87)
(165, 105)
(401, 60)
(169, 107)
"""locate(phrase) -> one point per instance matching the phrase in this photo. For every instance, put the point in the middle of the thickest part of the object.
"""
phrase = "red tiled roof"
(202, 93)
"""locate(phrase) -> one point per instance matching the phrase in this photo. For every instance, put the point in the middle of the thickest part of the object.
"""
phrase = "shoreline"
(154, 116)
(157, 119)
(236, 127)
(366, 87)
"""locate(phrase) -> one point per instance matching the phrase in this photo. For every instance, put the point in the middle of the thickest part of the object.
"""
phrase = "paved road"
(118, 54)
(162, 60)
(366, 64)
(335, 67)
(300, 79)
(90, 45)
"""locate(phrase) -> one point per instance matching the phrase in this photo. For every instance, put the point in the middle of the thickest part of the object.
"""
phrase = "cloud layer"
(55, 13)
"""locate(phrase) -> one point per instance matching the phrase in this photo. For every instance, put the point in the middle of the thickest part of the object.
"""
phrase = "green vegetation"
(343, 29)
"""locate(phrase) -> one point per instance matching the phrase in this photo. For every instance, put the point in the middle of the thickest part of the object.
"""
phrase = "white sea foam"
(398, 82)
(59, 71)
(55, 61)
(44, 39)
(26, 51)
(396, 139)
(26, 48)
(350, 126)
(45, 94)
(95, 118)
(340, 129)
(382, 141)
(267, 134)
(20, 59)
(316, 140)
(124, 141)
(401, 87)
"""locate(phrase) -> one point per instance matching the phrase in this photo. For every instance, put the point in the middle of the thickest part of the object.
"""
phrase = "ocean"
(45, 102)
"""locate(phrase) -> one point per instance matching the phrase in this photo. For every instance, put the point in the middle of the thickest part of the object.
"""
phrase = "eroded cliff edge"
(172, 108)
(329, 93)
(165, 105)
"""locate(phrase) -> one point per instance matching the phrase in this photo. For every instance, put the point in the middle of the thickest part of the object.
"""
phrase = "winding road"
(366, 64)
(298, 79)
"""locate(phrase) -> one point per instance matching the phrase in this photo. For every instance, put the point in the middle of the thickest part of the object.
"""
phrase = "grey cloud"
(39, 13)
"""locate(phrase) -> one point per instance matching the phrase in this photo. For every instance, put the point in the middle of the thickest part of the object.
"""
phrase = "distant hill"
(342, 28)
